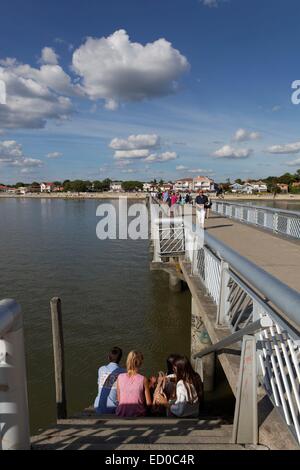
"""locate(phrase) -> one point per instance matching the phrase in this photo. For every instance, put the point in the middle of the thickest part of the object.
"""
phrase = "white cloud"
(210, 3)
(129, 170)
(140, 146)
(111, 105)
(199, 170)
(54, 155)
(49, 56)
(27, 162)
(276, 108)
(35, 95)
(140, 141)
(115, 70)
(139, 153)
(294, 162)
(11, 153)
(242, 135)
(161, 157)
(10, 150)
(135, 146)
(285, 148)
(181, 167)
(230, 152)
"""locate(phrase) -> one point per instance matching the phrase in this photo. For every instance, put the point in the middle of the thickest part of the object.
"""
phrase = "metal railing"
(277, 220)
(14, 416)
(248, 299)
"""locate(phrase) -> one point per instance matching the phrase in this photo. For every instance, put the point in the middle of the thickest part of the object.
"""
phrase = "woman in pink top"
(173, 199)
(133, 392)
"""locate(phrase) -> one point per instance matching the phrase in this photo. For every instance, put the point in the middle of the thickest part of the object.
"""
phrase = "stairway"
(90, 432)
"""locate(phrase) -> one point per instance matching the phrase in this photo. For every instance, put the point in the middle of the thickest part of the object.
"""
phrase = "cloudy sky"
(143, 89)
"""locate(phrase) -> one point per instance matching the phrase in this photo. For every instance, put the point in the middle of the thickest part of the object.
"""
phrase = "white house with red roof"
(184, 184)
(204, 183)
(47, 187)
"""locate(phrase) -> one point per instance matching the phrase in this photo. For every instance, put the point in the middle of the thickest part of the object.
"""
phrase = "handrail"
(10, 316)
(278, 221)
(231, 339)
(14, 416)
(266, 208)
(281, 295)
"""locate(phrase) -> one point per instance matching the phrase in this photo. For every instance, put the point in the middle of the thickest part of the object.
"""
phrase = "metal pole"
(59, 362)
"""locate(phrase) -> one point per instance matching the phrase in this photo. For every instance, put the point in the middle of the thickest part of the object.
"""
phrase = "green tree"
(132, 185)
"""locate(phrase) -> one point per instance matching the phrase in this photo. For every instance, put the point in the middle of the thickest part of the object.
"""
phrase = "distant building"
(116, 186)
(23, 190)
(167, 187)
(184, 184)
(296, 184)
(204, 183)
(236, 187)
(150, 187)
(283, 187)
(247, 188)
(47, 187)
(13, 191)
(3, 189)
(258, 186)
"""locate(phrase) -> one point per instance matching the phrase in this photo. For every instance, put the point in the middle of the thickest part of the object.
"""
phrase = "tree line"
(83, 186)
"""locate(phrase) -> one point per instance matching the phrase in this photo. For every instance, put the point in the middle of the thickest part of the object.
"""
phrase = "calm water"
(285, 205)
(49, 248)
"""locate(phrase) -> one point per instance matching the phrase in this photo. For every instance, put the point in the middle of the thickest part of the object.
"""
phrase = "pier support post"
(59, 362)
(174, 283)
(199, 341)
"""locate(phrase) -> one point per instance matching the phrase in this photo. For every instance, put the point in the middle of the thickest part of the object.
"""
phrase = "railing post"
(224, 293)
(59, 363)
(275, 222)
(245, 426)
(14, 414)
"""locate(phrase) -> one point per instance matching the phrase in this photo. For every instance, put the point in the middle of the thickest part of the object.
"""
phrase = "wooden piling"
(59, 360)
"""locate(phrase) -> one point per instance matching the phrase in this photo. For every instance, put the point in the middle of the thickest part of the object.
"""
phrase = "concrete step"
(113, 433)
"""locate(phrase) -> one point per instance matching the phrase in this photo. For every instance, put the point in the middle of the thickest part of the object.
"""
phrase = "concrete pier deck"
(277, 255)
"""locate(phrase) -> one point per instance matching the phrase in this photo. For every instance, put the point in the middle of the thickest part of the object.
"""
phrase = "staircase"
(90, 432)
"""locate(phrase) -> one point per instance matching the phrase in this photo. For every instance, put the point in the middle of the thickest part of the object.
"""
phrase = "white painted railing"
(277, 220)
(246, 298)
(14, 417)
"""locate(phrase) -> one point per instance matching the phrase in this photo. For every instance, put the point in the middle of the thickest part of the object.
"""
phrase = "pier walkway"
(275, 254)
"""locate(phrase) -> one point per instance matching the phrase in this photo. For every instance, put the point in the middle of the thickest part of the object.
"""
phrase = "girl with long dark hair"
(189, 390)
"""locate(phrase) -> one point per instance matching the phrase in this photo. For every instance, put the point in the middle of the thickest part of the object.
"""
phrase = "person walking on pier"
(133, 392)
(200, 201)
(106, 400)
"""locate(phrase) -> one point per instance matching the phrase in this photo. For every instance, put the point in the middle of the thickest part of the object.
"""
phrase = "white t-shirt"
(187, 401)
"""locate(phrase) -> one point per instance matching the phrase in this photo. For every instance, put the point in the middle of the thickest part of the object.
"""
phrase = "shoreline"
(139, 196)
(142, 196)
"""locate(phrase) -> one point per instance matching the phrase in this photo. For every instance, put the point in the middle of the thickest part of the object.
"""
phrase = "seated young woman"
(133, 394)
(163, 384)
(189, 391)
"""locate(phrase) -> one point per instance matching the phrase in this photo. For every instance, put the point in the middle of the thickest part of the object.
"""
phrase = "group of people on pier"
(127, 393)
(201, 202)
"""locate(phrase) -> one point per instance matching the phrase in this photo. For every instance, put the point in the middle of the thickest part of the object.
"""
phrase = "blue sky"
(127, 106)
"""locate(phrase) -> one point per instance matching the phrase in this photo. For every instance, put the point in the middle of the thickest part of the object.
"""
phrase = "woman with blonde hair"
(133, 392)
